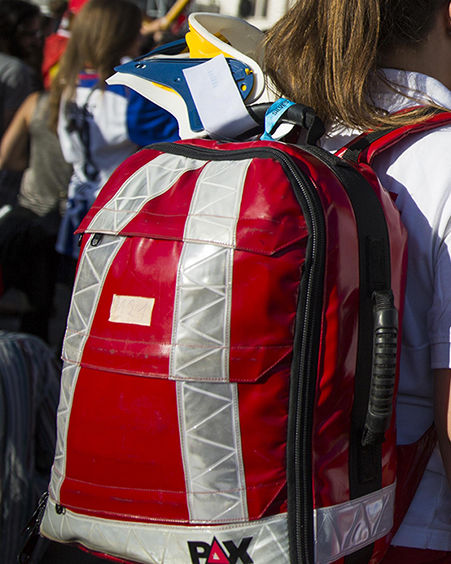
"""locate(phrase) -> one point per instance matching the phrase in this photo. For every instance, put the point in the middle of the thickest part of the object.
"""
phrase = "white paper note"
(131, 309)
(218, 101)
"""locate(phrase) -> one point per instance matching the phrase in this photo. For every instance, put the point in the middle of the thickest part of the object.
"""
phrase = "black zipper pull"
(96, 240)
(34, 545)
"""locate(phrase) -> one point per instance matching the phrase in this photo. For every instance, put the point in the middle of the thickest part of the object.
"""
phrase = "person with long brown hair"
(358, 63)
(100, 125)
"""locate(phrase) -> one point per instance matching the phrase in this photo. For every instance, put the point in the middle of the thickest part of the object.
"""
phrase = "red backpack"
(231, 358)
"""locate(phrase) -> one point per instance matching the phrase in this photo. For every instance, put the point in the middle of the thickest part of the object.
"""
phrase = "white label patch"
(131, 309)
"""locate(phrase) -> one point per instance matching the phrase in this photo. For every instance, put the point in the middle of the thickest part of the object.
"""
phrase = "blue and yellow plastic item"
(159, 76)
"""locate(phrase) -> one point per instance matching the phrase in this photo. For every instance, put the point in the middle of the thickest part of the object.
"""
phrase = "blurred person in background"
(20, 51)
(28, 259)
(20, 60)
(55, 43)
(99, 125)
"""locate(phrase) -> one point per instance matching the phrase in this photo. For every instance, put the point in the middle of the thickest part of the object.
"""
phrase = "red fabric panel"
(123, 449)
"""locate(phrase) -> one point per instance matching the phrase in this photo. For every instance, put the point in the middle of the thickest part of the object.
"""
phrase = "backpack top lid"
(206, 79)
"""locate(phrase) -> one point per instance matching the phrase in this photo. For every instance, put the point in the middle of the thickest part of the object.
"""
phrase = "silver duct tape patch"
(150, 181)
(211, 450)
(263, 542)
(348, 527)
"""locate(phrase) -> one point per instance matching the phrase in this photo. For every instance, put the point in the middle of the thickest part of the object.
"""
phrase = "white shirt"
(118, 121)
(418, 171)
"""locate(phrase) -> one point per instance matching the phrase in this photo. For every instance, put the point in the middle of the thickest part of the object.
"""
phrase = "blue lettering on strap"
(273, 115)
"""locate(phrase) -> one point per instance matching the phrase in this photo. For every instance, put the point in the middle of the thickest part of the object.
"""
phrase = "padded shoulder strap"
(366, 146)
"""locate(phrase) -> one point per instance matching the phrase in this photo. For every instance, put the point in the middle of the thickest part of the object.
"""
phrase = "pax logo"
(215, 553)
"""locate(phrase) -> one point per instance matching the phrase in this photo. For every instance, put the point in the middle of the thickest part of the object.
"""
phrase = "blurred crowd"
(63, 131)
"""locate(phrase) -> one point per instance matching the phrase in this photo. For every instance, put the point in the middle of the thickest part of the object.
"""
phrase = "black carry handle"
(297, 114)
(385, 345)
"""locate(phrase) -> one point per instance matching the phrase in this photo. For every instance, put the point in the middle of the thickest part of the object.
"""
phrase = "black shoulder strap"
(80, 124)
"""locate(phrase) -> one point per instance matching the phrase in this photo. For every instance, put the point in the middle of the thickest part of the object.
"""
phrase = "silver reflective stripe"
(216, 203)
(69, 378)
(264, 542)
(199, 360)
(92, 270)
(148, 182)
(201, 323)
(347, 527)
(94, 265)
(211, 445)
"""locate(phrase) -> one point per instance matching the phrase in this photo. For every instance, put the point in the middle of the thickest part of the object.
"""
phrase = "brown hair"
(326, 53)
(101, 33)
